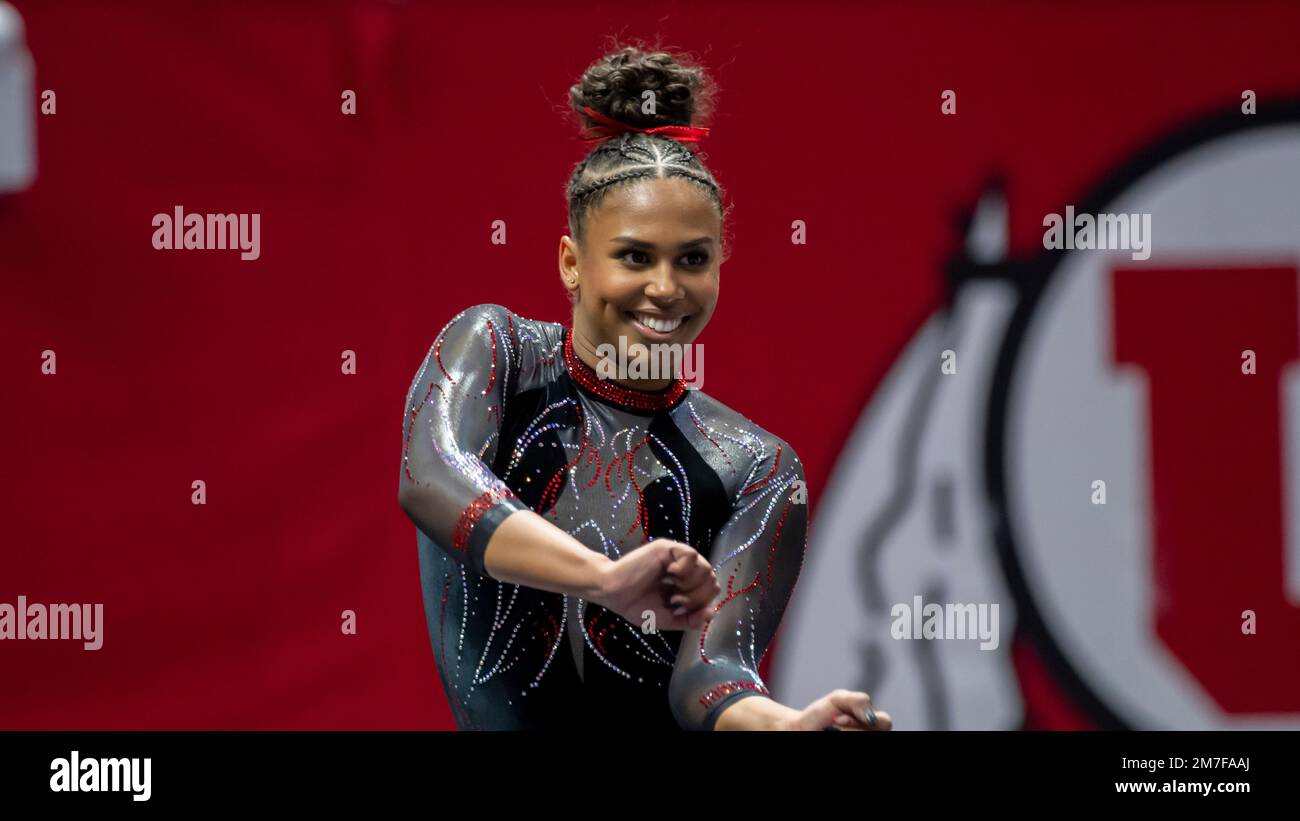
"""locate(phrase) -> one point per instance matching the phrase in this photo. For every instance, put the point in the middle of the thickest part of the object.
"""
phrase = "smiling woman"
(574, 531)
(640, 271)
(645, 215)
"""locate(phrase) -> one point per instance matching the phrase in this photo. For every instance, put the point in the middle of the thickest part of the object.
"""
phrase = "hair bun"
(615, 86)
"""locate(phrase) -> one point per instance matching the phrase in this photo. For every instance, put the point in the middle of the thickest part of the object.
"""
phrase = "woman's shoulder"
(491, 313)
(502, 325)
(730, 429)
(531, 349)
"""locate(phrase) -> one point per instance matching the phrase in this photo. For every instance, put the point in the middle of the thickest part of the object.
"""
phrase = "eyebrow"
(640, 243)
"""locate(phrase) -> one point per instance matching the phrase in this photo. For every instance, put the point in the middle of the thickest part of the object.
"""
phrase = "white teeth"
(663, 326)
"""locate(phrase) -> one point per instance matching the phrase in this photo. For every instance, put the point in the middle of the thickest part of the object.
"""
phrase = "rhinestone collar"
(612, 392)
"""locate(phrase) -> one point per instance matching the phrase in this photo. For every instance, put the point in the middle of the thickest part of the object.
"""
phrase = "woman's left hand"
(840, 710)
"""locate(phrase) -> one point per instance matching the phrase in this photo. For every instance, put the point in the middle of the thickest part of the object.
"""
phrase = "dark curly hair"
(615, 86)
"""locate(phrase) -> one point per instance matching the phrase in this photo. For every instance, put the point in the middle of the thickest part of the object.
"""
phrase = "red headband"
(612, 128)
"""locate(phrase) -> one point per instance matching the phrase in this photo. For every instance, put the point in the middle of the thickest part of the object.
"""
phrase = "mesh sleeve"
(757, 556)
(452, 422)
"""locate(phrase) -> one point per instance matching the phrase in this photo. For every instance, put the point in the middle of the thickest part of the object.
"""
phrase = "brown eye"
(703, 259)
(627, 254)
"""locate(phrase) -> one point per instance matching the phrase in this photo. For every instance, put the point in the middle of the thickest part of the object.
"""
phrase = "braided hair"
(615, 87)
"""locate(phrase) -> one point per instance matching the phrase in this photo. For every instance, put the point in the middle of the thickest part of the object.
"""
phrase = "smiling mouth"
(656, 325)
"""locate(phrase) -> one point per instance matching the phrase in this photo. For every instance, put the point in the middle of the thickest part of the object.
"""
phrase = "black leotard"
(503, 415)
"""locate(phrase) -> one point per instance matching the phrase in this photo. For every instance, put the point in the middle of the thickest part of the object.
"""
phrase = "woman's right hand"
(670, 579)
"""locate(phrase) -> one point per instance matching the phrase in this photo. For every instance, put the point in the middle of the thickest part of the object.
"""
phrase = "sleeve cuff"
(480, 520)
(724, 695)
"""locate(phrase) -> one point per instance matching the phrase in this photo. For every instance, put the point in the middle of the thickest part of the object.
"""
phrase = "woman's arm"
(715, 684)
(452, 422)
(757, 713)
(527, 549)
(453, 418)
(757, 555)
(669, 578)
(838, 709)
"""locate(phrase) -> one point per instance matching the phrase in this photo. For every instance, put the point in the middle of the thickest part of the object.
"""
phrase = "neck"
(586, 349)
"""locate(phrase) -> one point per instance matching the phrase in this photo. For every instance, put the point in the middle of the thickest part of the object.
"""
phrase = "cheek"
(706, 293)
(597, 289)
(613, 290)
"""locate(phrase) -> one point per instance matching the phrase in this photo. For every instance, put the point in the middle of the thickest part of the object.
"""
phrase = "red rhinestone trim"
(766, 478)
(586, 376)
(716, 694)
(471, 515)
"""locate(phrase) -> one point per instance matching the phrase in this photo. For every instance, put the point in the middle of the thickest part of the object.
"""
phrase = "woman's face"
(651, 253)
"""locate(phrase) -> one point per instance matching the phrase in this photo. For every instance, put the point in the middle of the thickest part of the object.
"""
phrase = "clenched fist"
(669, 578)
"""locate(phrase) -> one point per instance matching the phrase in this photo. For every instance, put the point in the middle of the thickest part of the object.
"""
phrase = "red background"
(175, 366)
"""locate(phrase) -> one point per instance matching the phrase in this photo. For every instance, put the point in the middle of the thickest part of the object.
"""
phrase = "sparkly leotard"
(503, 415)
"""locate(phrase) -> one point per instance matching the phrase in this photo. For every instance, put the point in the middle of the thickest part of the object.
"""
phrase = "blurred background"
(924, 235)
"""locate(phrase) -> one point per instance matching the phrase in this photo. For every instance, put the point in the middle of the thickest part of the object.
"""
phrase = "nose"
(663, 282)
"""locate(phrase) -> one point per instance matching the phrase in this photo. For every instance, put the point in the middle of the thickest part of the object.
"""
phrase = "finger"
(847, 724)
(700, 578)
(866, 714)
(675, 571)
(678, 558)
(853, 705)
(680, 566)
(687, 561)
(682, 602)
(698, 572)
(696, 580)
(821, 713)
(853, 702)
(696, 599)
(870, 720)
(687, 605)
(687, 619)
(677, 621)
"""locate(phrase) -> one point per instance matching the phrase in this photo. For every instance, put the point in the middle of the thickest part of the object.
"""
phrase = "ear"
(569, 274)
